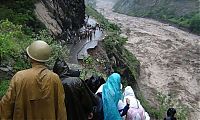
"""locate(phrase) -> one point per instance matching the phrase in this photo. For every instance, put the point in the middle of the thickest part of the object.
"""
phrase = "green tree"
(21, 12)
(195, 23)
(12, 43)
(11, 39)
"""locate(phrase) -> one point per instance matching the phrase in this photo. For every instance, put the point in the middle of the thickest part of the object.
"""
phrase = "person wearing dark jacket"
(81, 103)
(170, 114)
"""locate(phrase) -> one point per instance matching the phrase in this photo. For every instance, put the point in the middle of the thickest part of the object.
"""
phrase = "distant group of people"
(88, 31)
(38, 93)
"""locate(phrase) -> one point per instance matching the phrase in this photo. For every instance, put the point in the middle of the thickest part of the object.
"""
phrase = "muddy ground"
(170, 57)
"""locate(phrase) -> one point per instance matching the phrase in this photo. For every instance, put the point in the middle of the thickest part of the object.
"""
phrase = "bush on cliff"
(21, 12)
(12, 44)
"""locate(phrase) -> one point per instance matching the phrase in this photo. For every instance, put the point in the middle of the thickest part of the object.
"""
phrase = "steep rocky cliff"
(62, 17)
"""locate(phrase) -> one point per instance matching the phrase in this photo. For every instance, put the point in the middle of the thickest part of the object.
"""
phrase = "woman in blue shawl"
(111, 94)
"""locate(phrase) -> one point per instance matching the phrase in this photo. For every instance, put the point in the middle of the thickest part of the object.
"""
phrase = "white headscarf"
(129, 93)
(134, 103)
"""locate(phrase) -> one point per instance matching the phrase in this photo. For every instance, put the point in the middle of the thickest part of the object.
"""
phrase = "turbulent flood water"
(170, 57)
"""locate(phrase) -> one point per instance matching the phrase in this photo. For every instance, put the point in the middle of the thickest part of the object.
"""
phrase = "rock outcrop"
(63, 18)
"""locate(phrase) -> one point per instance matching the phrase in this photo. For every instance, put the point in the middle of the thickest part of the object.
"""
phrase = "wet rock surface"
(170, 57)
(62, 18)
(5, 72)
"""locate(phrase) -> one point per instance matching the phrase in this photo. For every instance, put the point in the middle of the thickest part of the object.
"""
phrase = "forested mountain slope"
(182, 12)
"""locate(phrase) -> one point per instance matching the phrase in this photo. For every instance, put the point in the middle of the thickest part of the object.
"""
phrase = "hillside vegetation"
(184, 13)
(90, 3)
(21, 12)
(18, 28)
(113, 44)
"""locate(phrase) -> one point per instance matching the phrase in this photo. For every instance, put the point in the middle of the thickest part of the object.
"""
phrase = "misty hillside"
(177, 11)
(90, 2)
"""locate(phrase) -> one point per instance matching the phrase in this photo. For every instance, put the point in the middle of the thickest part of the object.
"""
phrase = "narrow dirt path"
(170, 57)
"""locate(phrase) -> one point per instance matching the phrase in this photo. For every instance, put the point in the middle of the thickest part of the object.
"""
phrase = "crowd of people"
(87, 31)
(38, 93)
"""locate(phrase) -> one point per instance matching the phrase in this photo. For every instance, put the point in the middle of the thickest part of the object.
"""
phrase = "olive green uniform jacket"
(34, 94)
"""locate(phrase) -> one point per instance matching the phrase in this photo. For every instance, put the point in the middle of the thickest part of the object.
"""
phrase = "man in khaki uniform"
(35, 93)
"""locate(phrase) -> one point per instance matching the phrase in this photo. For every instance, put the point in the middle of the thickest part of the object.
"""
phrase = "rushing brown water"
(170, 57)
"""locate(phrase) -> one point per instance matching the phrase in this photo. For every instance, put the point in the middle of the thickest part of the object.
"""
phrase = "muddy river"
(170, 57)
